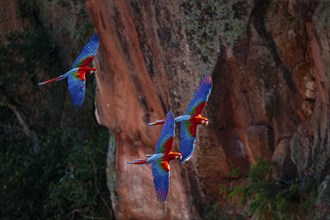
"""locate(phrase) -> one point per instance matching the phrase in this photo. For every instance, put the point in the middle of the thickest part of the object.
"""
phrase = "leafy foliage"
(57, 182)
(52, 156)
(81, 190)
(215, 212)
(269, 199)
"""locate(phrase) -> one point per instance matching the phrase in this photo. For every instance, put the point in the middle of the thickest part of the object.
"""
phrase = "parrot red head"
(92, 70)
(205, 121)
(177, 155)
(200, 120)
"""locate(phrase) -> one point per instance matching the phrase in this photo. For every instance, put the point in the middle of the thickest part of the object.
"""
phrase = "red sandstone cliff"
(270, 99)
(138, 69)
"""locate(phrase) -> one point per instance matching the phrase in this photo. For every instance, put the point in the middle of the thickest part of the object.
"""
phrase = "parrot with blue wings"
(160, 160)
(77, 75)
(192, 118)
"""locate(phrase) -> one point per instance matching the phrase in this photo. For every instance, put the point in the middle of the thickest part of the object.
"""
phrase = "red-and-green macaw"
(192, 118)
(160, 160)
(77, 75)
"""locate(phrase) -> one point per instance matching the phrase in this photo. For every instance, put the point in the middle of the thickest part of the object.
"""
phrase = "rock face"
(142, 75)
(10, 17)
(270, 100)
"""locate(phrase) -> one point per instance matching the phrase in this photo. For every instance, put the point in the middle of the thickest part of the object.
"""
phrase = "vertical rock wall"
(142, 62)
(269, 100)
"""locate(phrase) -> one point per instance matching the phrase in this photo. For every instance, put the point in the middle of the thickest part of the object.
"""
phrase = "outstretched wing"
(77, 87)
(161, 174)
(187, 139)
(201, 96)
(88, 53)
(165, 140)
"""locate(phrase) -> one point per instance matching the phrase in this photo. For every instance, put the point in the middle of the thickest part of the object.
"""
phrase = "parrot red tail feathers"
(158, 122)
(139, 161)
(53, 80)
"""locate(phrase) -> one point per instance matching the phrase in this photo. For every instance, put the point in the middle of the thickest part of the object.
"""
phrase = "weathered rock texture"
(10, 19)
(270, 100)
(143, 63)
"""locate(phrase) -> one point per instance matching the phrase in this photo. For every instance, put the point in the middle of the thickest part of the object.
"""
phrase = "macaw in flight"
(192, 118)
(77, 75)
(160, 160)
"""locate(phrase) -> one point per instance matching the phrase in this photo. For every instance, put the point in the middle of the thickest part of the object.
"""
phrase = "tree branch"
(29, 133)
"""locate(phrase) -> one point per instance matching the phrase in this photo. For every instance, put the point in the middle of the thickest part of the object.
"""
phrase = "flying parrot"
(77, 75)
(192, 118)
(160, 160)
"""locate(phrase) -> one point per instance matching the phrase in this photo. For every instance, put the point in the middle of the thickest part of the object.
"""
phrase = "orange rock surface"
(270, 100)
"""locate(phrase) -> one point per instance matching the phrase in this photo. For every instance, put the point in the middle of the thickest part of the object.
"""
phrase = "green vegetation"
(235, 173)
(215, 212)
(52, 155)
(52, 164)
(270, 199)
(56, 182)
(81, 190)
